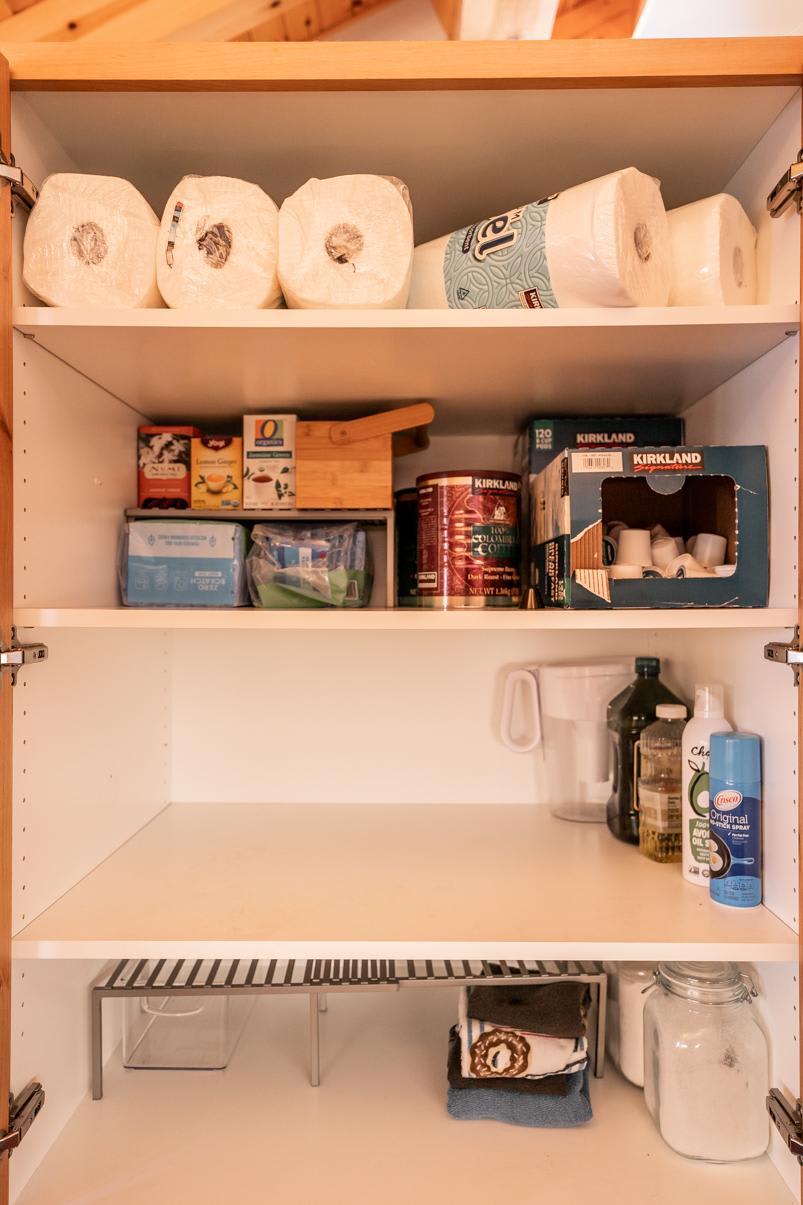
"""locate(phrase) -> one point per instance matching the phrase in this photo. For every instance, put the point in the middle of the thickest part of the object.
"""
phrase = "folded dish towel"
(547, 1085)
(489, 1050)
(556, 1009)
(542, 1112)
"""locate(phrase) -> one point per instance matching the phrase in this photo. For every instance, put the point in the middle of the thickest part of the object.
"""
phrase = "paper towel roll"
(713, 253)
(218, 245)
(346, 242)
(91, 240)
(603, 243)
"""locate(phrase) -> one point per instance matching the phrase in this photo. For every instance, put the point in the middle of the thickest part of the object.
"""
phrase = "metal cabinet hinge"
(787, 654)
(787, 1120)
(23, 190)
(788, 191)
(23, 1110)
(16, 655)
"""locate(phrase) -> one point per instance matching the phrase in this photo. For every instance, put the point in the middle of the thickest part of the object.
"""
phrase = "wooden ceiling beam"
(450, 16)
(596, 18)
(59, 20)
(188, 20)
(311, 19)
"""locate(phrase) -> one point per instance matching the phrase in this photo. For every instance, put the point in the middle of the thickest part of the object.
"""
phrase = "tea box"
(217, 472)
(269, 461)
(163, 466)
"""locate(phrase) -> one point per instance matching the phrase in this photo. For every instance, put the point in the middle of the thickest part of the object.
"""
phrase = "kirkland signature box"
(686, 489)
(548, 436)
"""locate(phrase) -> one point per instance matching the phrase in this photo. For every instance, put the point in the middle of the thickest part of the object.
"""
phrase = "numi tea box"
(687, 490)
(217, 472)
(269, 461)
(163, 467)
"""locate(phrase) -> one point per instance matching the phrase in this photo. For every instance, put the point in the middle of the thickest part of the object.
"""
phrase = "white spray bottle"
(709, 716)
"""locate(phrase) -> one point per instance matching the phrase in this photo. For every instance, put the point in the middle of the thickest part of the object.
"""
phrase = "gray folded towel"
(555, 1009)
(538, 1112)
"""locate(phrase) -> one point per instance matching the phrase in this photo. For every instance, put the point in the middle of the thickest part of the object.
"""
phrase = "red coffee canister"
(469, 544)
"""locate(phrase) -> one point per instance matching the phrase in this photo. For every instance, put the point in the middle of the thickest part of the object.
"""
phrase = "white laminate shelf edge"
(377, 1130)
(406, 619)
(396, 881)
(175, 364)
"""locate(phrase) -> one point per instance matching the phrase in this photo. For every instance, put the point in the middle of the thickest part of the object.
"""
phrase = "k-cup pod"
(652, 573)
(710, 549)
(680, 545)
(691, 544)
(613, 528)
(633, 547)
(608, 550)
(664, 550)
(658, 531)
(724, 570)
(686, 566)
(621, 571)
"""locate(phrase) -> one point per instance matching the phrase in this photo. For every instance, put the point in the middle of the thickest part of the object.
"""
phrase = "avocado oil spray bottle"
(709, 716)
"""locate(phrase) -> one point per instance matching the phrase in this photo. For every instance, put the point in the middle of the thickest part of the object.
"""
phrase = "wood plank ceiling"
(257, 20)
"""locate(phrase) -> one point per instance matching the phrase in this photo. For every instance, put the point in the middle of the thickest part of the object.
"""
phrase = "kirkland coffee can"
(469, 551)
(406, 547)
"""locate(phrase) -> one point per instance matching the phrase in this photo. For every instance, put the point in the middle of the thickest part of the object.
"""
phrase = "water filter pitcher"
(563, 707)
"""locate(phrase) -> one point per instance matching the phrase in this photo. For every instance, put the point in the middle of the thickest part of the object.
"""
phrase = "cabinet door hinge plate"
(23, 1110)
(789, 654)
(788, 191)
(788, 1121)
(16, 655)
(23, 190)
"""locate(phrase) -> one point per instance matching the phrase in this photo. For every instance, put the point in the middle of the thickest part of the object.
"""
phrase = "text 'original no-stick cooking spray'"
(735, 819)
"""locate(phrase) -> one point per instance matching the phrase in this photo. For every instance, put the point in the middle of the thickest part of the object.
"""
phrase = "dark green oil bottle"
(629, 713)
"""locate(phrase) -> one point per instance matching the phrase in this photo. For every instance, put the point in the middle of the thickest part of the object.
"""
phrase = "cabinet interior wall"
(118, 724)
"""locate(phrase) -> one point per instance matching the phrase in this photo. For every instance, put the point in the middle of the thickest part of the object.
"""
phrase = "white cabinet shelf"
(382, 1099)
(404, 619)
(397, 881)
(486, 370)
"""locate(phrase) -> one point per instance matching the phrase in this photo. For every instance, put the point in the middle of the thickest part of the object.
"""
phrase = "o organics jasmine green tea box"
(269, 461)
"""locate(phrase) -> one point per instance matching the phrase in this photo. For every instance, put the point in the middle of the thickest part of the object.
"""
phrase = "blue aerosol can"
(735, 819)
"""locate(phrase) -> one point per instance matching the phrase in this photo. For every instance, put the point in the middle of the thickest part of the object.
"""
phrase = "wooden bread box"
(349, 465)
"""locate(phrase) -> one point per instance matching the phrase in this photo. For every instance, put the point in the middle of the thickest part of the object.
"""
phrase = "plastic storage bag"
(323, 565)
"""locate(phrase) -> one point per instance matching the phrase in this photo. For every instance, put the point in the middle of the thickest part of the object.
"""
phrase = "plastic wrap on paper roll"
(218, 245)
(346, 242)
(603, 243)
(713, 253)
(91, 241)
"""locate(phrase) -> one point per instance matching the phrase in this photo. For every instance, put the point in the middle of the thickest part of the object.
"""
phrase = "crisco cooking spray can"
(735, 819)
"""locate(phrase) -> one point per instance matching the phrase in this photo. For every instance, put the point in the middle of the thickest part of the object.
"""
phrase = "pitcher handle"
(530, 681)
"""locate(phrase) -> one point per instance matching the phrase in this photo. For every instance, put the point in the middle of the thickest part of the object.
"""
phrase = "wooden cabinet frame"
(310, 67)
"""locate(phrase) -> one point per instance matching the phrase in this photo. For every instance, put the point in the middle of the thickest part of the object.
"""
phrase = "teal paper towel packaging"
(735, 819)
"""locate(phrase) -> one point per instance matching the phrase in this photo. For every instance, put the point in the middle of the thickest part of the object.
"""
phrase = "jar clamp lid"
(706, 982)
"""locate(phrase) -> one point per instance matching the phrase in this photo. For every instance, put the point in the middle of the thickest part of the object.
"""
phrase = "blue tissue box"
(183, 563)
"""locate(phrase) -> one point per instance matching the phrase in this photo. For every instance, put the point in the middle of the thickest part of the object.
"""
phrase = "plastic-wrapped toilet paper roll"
(218, 245)
(603, 243)
(346, 242)
(91, 240)
(713, 253)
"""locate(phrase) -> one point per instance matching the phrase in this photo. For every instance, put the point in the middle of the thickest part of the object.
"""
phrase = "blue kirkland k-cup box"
(549, 436)
(734, 819)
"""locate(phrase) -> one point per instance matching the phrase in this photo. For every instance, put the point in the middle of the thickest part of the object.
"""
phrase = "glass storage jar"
(706, 1063)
